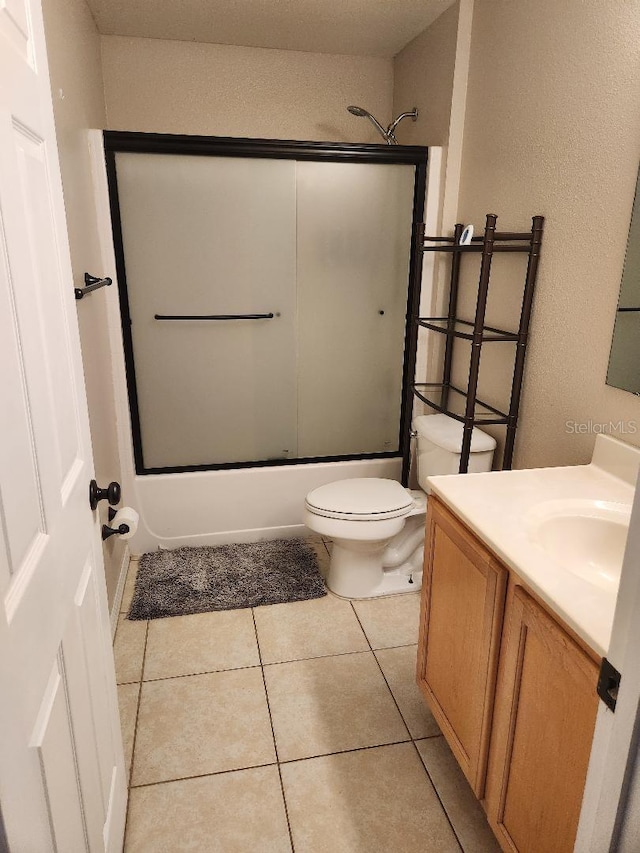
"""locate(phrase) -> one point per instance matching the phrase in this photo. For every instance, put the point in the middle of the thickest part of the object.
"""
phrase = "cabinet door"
(544, 719)
(460, 627)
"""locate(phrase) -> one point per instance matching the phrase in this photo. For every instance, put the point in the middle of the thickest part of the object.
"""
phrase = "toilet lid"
(361, 499)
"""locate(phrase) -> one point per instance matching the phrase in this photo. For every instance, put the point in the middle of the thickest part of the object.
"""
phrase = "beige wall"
(73, 47)
(553, 127)
(423, 77)
(186, 87)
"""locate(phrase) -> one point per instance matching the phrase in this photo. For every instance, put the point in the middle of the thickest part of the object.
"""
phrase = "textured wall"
(553, 127)
(73, 47)
(423, 77)
(188, 87)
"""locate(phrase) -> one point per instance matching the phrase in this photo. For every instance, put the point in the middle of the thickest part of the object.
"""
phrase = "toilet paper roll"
(127, 515)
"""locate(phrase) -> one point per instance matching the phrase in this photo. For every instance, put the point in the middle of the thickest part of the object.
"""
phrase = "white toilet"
(377, 526)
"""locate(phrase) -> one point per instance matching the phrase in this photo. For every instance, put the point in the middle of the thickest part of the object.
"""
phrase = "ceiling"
(358, 27)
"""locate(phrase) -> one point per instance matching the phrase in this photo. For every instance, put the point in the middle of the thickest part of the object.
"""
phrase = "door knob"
(112, 493)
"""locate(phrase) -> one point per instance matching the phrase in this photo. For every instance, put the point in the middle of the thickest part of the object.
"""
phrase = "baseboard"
(117, 598)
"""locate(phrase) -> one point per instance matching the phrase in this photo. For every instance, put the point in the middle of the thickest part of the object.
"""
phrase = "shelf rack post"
(476, 344)
(451, 317)
(413, 312)
(523, 334)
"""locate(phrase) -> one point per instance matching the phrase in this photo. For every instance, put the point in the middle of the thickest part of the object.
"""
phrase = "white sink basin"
(585, 537)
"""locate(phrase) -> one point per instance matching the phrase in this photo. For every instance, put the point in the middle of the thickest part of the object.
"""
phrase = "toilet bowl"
(377, 526)
(377, 530)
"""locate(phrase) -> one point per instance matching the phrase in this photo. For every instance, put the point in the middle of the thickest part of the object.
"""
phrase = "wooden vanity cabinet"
(545, 714)
(460, 626)
(512, 689)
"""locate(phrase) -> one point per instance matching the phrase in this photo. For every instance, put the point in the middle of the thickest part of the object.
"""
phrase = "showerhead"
(362, 113)
(387, 134)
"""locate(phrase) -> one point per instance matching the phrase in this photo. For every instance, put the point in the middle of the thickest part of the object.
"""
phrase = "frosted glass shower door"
(209, 235)
(354, 246)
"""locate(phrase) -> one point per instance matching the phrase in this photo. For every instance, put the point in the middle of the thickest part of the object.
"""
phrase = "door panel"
(546, 695)
(461, 620)
(15, 25)
(62, 782)
(353, 251)
(211, 235)
(46, 302)
(53, 742)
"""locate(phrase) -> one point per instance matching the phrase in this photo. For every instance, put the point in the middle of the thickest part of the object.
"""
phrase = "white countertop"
(494, 505)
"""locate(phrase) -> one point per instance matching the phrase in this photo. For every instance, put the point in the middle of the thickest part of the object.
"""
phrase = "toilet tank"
(439, 442)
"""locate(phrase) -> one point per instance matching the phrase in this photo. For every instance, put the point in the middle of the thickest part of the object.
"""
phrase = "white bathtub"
(241, 505)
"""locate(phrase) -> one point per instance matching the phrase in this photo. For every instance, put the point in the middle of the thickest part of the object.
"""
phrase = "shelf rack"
(440, 396)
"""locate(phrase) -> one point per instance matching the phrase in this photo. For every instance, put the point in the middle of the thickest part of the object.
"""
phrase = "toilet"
(377, 526)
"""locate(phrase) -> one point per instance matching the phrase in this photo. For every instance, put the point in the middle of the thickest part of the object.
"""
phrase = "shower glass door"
(264, 304)
(353, 250)
(207, 236)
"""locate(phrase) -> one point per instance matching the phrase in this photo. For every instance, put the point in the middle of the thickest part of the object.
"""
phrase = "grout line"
(204, 672)
(384, 677)
(388, 648)
(269, 663)
(273, 732)
(437, 793)
(135, 729)
(412, 739)
(345, 751)
(318, 657)
(126, 581)
(283, 761)
(202, 775)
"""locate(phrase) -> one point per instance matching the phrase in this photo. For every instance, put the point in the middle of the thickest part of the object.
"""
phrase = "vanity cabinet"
(512, 689)
(545, 714)
(460, 626)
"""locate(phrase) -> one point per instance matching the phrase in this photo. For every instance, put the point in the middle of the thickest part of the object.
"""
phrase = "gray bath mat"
(226, 577)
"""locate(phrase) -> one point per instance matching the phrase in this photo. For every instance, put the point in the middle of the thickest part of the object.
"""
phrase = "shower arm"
(409, 114)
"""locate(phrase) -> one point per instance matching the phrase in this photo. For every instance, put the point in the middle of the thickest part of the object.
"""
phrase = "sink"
(585, 537)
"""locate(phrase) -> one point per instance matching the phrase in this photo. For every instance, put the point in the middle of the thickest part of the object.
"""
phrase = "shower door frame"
(116, 141)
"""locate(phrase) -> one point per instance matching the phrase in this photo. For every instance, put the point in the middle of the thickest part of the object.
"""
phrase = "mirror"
(624, 362)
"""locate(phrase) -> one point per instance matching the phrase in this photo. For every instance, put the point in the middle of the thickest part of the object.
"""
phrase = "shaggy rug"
(226, 577)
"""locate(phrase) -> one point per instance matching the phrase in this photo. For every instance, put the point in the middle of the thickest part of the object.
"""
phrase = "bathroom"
(526, 109)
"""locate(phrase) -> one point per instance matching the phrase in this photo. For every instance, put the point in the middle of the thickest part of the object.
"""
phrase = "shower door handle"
(213, 316)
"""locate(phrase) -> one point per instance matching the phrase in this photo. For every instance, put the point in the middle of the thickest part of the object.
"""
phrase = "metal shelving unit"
(442, 396)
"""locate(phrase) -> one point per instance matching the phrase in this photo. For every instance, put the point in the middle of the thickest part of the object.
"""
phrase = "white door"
(62, 783)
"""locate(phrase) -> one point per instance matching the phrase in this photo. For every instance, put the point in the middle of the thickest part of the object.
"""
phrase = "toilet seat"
(360, 499)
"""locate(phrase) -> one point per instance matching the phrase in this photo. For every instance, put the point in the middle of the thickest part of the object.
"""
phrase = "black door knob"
(112, 493)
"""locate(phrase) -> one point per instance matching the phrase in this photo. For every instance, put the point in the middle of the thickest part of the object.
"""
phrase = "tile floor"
(289, 727)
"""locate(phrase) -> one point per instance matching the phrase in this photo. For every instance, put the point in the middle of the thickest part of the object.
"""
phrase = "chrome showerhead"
(362, 113)
(387, 134)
